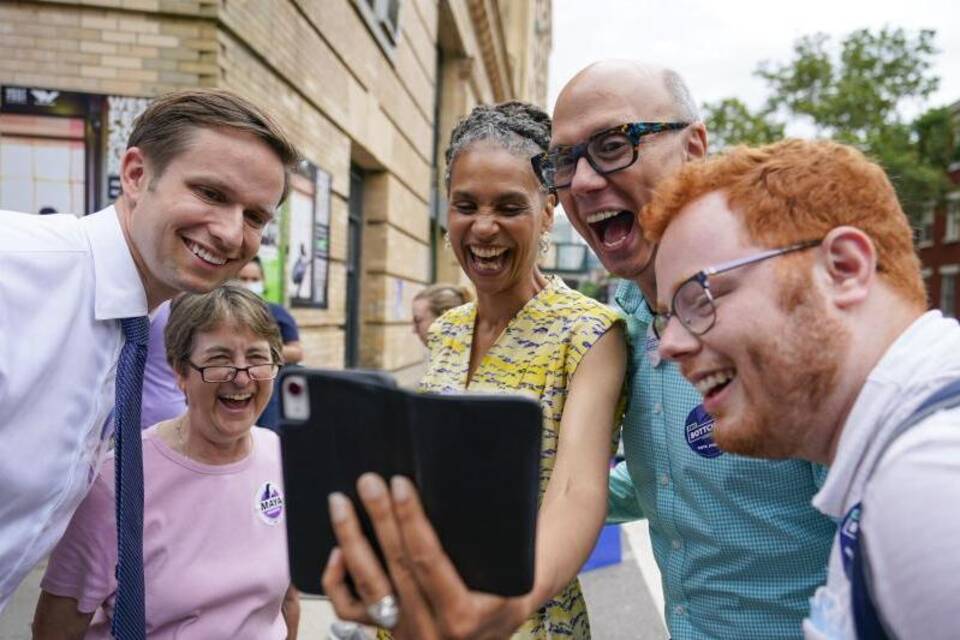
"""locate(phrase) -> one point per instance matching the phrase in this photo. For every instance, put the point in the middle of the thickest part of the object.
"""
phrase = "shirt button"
(679, 609)
(664, 479)
(658, 408)
(677, 544)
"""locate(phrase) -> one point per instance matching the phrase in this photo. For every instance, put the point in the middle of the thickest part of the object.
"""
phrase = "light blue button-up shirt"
(739, 545)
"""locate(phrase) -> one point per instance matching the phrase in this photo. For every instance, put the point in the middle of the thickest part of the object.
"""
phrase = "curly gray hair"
(519, 127)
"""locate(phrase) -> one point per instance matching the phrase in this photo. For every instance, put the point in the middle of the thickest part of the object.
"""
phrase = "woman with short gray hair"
(215, 549)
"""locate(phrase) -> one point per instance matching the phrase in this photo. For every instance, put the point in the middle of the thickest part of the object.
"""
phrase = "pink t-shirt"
(214, 546)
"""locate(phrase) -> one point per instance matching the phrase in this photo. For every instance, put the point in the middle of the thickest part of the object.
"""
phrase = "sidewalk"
(624, 600)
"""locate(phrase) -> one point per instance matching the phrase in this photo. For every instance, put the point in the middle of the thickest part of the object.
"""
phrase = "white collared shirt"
(64, 283)
(911, 504)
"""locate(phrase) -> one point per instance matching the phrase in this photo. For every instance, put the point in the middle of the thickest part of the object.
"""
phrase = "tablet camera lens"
(295, 388)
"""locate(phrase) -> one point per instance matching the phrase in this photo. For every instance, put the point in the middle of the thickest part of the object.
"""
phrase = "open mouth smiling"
(611, 226)
(713, 383)
(236, 400)
(487, 259)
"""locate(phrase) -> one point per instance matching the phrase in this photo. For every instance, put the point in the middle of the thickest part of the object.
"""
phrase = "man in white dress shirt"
(790, 294)
(203, 174)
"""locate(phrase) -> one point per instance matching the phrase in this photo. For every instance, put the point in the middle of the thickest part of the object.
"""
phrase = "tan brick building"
(369, 89)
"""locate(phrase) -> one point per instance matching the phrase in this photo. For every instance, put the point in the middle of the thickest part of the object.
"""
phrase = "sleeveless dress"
(537, 355)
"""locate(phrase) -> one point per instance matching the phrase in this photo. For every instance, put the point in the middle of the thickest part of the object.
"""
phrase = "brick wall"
(79, 47)
(351, 104)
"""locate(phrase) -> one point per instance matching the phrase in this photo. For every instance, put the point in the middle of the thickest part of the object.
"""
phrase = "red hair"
(798, 190)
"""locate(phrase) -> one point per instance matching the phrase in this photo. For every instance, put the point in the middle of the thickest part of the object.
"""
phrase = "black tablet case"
(474, 458)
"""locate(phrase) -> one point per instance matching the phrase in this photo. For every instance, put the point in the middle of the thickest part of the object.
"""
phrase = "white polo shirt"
(911, 504)
(64, 282)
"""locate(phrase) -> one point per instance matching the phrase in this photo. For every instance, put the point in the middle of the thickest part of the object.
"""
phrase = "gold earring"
(446, 241)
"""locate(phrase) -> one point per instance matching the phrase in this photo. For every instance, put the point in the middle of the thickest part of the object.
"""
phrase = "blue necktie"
(128, 616)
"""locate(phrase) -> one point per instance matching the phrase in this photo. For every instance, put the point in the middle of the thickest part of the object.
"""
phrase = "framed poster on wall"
(308, 245)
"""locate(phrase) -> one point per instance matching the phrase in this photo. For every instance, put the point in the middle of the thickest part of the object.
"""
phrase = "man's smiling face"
(196, 224)
(771, 358)
(605, 209)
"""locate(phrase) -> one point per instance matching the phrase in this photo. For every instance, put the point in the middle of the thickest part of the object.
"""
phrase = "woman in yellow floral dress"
(530, 334)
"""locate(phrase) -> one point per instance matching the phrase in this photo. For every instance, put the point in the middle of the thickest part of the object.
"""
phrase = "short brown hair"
(797, 190)
(164, 129)
(443, 297)
(194, 313)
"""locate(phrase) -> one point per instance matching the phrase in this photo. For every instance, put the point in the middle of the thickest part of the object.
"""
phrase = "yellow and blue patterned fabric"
(740, 548)
(536, 355)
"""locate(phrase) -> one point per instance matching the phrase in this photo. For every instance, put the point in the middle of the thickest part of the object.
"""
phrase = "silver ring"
(384, 612)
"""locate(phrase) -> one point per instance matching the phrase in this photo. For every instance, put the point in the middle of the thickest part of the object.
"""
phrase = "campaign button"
(698, 430)
(269, 503)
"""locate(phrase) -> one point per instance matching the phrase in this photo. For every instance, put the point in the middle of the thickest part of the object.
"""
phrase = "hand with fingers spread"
(434, 601)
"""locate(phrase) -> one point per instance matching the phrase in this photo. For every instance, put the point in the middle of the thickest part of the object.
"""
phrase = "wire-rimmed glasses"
(226, 373)
(693, 302)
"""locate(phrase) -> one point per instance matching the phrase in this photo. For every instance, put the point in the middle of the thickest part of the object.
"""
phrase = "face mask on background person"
(255, 287)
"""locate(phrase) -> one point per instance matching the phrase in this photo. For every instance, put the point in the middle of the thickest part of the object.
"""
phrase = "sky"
(716, 45)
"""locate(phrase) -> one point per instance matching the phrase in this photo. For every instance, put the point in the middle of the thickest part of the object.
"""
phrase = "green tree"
(856, 94)
(852, 95)
(731, 122)
(937, 137)
(918, 181)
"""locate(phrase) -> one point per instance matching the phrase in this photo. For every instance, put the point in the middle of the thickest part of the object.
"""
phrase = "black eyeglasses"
(607, 151)
(226, 373)
(693, 302)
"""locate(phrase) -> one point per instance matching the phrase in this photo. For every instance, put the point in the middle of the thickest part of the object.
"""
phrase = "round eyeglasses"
(226, 373)
(693, 302)
(607, 151)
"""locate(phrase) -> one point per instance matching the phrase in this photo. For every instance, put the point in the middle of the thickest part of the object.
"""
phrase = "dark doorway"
(354, 245)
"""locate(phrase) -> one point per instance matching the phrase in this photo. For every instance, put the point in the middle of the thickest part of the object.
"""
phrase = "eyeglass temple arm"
(741, 262)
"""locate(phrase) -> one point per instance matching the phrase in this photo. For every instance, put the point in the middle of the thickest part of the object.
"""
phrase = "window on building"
(952, 232)
(42, 164)
(925, 230)
(948, 290)
(383, 20)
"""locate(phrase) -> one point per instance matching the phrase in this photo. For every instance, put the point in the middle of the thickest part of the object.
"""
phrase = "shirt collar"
(118, 289)
(631, 300)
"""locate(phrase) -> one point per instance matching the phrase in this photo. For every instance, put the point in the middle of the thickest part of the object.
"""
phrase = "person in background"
(251, 277)
(432, 302)
(215, 553)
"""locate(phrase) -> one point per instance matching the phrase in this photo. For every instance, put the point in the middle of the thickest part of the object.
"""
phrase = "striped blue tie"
(128, 616)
